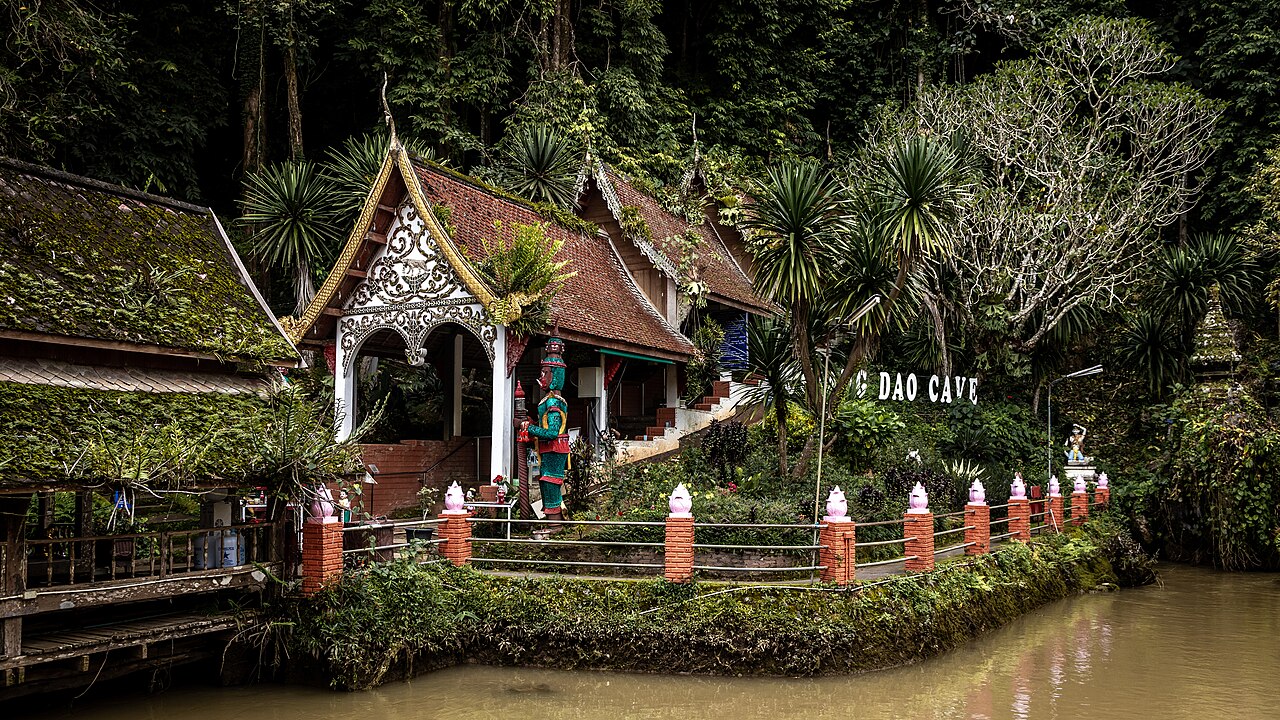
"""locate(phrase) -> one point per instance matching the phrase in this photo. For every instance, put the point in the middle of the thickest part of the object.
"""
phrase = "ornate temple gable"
(381, 287)
(412, 288)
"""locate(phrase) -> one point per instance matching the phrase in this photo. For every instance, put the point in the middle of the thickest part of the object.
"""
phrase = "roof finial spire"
(386, 111)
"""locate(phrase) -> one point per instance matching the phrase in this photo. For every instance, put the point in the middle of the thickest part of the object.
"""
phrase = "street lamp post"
(1049, 424)
(858, 314)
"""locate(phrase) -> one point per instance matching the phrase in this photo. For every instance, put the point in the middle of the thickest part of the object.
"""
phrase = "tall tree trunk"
(780, 414)
(295, 109)
(255, 129)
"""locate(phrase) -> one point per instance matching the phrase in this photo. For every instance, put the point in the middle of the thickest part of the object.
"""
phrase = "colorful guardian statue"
(1075, 446)
(552, 430)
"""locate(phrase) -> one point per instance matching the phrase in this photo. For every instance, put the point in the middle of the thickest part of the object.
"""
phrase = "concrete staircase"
(675, 423)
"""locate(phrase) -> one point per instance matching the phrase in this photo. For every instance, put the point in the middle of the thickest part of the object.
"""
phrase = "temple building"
(137, 365)
(404, 294)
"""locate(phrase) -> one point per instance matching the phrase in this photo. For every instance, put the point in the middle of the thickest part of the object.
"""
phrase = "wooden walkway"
(135, 635)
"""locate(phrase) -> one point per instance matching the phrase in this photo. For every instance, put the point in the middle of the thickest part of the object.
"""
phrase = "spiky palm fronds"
(292, 214)
(1184, 275)
(542, 165)
(796, 220)
(770, 357)
(353, 167)
(917, 190)
(1149, 344)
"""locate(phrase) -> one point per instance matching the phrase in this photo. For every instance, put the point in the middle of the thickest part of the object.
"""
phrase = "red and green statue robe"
(553, 448)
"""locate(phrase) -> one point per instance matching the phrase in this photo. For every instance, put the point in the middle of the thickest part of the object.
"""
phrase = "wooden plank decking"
(50, 647)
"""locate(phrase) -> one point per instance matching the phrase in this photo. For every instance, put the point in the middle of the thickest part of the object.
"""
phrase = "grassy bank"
(394, 620)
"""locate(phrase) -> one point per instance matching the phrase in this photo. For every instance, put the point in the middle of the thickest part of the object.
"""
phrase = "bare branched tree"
(1086, 153)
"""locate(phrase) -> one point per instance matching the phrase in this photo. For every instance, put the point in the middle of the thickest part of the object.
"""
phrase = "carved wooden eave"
(395, 184)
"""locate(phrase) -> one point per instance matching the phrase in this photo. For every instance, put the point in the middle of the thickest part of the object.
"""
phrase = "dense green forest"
(1034, 186)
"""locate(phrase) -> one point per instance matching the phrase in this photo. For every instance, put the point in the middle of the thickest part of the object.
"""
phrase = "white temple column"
(503, 389)
(602, 405)
(344, 387)
(672, 373)
(456, 426)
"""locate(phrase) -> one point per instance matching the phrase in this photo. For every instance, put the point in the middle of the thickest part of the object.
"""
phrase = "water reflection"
(1201, 645)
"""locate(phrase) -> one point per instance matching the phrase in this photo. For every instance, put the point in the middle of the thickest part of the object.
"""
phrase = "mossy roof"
(70, 436)
(84, 259)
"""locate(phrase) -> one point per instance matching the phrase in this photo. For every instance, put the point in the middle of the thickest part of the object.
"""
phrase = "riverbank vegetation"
(393, 620)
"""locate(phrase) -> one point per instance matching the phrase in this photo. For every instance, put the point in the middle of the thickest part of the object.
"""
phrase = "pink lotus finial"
(837, 506)
(977, 493)
(1079, 485)
(453, 500)
(1103, 482)
(1018, 489)
(1055, 488)
(322, 505)
(681, 502)
(919, 500)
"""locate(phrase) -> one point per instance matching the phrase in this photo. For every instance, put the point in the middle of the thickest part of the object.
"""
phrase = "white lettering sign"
(895, 386)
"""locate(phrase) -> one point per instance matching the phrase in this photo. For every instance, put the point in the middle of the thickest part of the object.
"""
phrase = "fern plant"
(525, 276)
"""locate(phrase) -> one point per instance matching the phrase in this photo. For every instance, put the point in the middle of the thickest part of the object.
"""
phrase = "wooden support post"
(839, 540)
(678, 551)
(321, 553)
(1079, 507)
(1020, 519)
(977, 518)
(918, 529)
(456, 533)
(13, 567)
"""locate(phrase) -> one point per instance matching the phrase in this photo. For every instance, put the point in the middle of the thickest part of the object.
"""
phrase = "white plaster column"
(672, 373)
(344, 386)
(456, 426)
(602, 405)
(501, 432)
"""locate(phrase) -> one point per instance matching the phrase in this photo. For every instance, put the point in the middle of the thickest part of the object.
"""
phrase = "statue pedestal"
(1081, 470)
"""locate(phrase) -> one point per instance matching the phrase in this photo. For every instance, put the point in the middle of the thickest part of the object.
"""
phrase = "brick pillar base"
(456, 533)
(1020, 519)
(1056, 518)
(678, 555)
(837, 554)
(321, 554)
(1103, 496)
(919, 526)
(1079, 507)
(978, 519)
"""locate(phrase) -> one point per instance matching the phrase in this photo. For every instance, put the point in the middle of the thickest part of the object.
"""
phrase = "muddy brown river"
(1203, 644)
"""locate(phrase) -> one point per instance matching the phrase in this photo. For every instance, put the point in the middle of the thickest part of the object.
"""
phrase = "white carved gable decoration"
(412, 289)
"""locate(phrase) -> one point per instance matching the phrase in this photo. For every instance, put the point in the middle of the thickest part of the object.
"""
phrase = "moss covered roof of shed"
(85, 259)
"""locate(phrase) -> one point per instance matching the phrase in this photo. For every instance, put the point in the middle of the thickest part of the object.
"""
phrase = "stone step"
(656, 431)
(720, 388)
(704, 406)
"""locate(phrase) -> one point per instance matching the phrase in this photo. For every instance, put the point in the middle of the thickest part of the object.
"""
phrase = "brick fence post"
(321, 553)
(977, 521)
(455, 530)
(1019, 509)
(1079, 502)
(1056, 517)
(838, 540)
(1103, 491)
(917, 528)
(678, 548)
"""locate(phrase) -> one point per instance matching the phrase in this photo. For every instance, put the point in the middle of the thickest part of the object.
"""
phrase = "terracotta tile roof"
(28, 371)
(716, 267)
(599, 302)
(84, 259)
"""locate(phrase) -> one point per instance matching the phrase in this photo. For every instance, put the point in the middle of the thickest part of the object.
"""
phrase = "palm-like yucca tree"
(1149, 344)
(353, 167)
(542, 165)
(919, 187)
(796, 222)
(770, 357)
(293, 215)
(1186, 274)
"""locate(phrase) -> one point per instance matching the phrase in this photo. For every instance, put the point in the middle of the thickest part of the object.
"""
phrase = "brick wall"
(401, 467)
